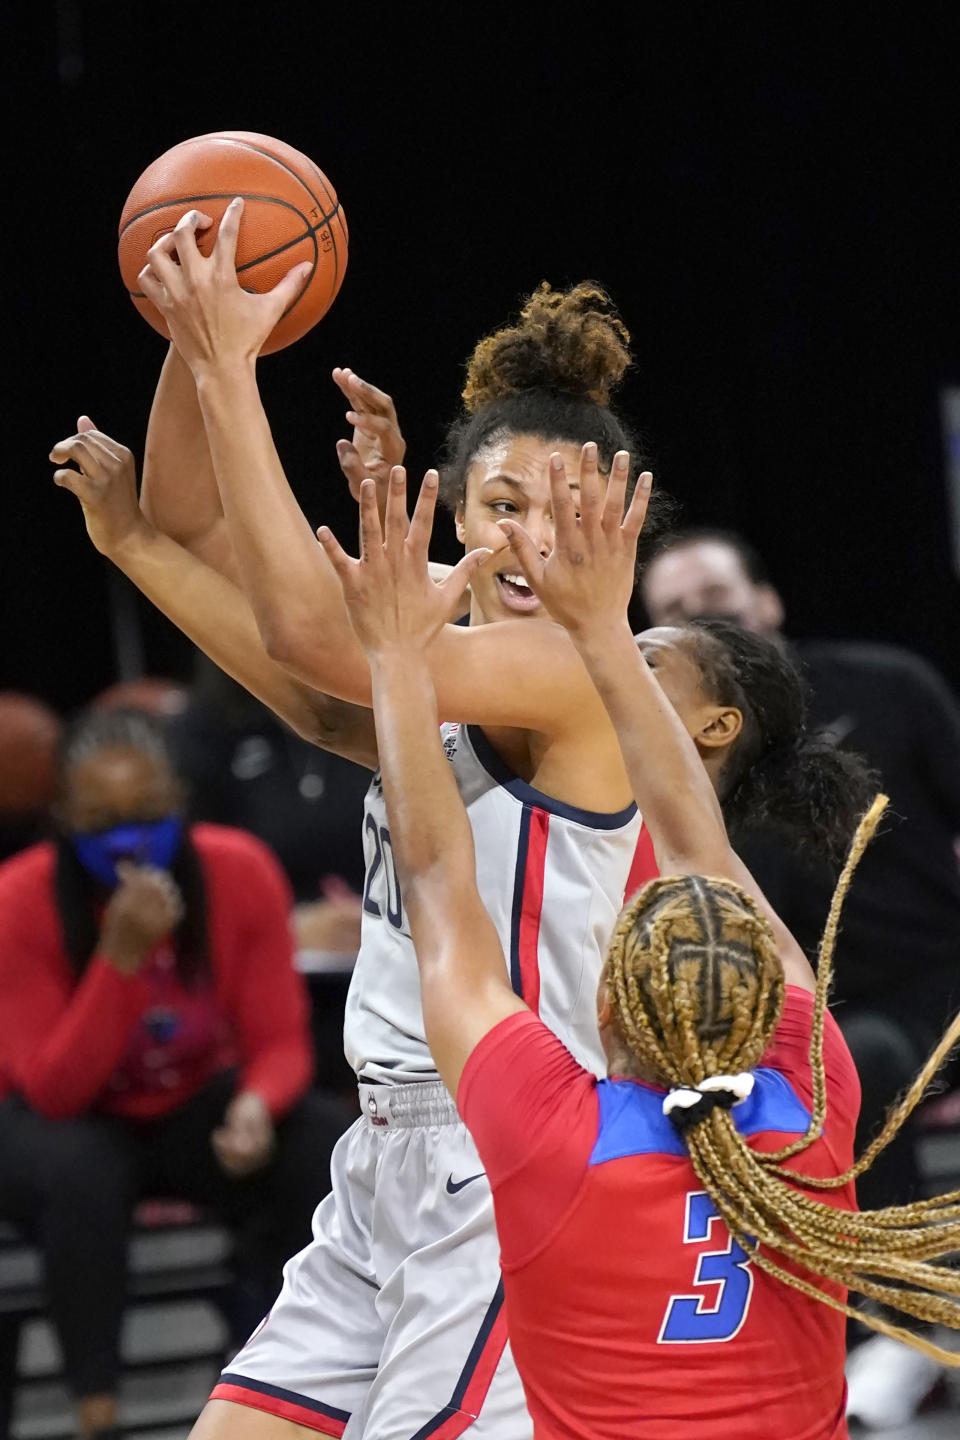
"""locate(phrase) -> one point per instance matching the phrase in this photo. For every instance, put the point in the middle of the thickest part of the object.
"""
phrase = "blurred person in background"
(244, 767)
(150, 694)
(153, 1041)
(29, 736)
(898, 956)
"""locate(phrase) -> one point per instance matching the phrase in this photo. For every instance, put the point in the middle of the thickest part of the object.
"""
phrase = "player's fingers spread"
(153, 287)
(225, 245)
(77, 448)
(591, 490)
(341, 378)
(370, 399)
(287, 290)
(524, 548)
(71, 480)
(616, 490)
(397, 526)
(371, 535)
(564, 510)
(108, 451)
(164, 264)
(63, 450)
(334, 551)
(453, 587)
(421, 526)
(637, 513)
(185, 235)
(164, 246)
(349, 462)
(370, 424)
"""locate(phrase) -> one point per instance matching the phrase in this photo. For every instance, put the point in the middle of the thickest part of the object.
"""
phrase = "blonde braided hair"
(697, 989)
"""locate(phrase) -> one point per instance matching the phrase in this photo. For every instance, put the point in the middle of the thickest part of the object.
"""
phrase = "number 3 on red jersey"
(716, 1314)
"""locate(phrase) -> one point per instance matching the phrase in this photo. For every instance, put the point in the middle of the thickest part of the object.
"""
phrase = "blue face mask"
(154, 842)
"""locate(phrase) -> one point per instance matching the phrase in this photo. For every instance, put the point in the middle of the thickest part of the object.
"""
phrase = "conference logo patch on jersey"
(450, 742)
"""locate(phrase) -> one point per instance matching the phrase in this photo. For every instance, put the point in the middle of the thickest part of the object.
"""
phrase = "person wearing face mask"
(153, 1040)
(898, 957)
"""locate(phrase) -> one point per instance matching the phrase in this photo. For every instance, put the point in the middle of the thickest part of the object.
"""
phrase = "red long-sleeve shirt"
(140, 1045)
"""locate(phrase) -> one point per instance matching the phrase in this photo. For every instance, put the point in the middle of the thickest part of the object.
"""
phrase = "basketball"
(291, 213)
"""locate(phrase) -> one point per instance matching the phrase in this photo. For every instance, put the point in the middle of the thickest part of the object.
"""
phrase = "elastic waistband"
(402, 1107)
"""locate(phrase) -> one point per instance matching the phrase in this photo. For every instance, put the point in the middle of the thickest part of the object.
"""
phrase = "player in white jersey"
(551, 874)
(389, 1323)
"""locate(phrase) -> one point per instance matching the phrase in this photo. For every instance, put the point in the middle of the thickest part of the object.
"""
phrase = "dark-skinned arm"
(178, 489)
(526, 676)
(586, 584)
(209, 609)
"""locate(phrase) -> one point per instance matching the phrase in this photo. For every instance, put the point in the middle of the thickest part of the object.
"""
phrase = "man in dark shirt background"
(898, 956)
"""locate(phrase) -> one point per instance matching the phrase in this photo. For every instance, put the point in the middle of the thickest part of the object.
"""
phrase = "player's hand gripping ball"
(291, 214)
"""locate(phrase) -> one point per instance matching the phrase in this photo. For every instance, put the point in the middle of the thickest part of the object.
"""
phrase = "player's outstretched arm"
(178, 489)
(396, 611)
(586, 583)
(527, 676)
(204, 604)
(219, 329)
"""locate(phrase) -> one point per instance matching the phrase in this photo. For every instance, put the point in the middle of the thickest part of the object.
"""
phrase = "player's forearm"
(429, 831)
(294, 593)
(213, 613)
(179, 492)
(666, 774)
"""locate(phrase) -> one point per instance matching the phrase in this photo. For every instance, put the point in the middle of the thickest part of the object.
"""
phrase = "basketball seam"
(259, 150)
(226, 195)
(310, 232)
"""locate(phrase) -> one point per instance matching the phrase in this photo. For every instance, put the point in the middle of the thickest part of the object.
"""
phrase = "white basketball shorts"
(390, 1324)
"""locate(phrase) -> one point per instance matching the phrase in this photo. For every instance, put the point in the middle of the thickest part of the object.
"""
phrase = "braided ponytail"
(690, 1003)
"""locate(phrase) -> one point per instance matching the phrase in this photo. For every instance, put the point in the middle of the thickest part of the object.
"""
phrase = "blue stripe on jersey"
(632, 1121)
(520, 790)
(519, 880)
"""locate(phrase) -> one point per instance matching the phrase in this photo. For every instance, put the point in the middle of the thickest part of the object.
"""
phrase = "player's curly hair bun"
(571, 341)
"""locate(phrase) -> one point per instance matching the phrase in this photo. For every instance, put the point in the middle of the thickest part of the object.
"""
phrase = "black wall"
(771, 197)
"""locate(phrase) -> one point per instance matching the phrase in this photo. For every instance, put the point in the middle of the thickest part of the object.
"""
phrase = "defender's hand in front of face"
(587, 579)
(211, 318)
(104, 482)
(392, 602)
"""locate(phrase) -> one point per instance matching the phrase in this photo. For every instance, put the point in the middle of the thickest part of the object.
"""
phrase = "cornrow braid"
(697, 989)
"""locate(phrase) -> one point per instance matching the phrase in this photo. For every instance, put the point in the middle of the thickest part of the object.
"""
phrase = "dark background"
(770, 193)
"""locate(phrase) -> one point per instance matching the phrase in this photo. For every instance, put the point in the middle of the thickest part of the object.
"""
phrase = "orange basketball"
(291, 213)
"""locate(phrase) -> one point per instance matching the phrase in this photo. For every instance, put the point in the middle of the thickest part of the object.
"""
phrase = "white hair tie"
(684, 1097)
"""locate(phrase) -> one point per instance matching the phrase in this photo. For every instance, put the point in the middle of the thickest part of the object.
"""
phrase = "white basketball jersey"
(552, 878)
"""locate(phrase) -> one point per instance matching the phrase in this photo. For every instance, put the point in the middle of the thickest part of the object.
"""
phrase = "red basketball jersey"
(632, 1313)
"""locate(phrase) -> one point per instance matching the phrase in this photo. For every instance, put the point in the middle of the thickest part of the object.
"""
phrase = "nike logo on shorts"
(454, 1185)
